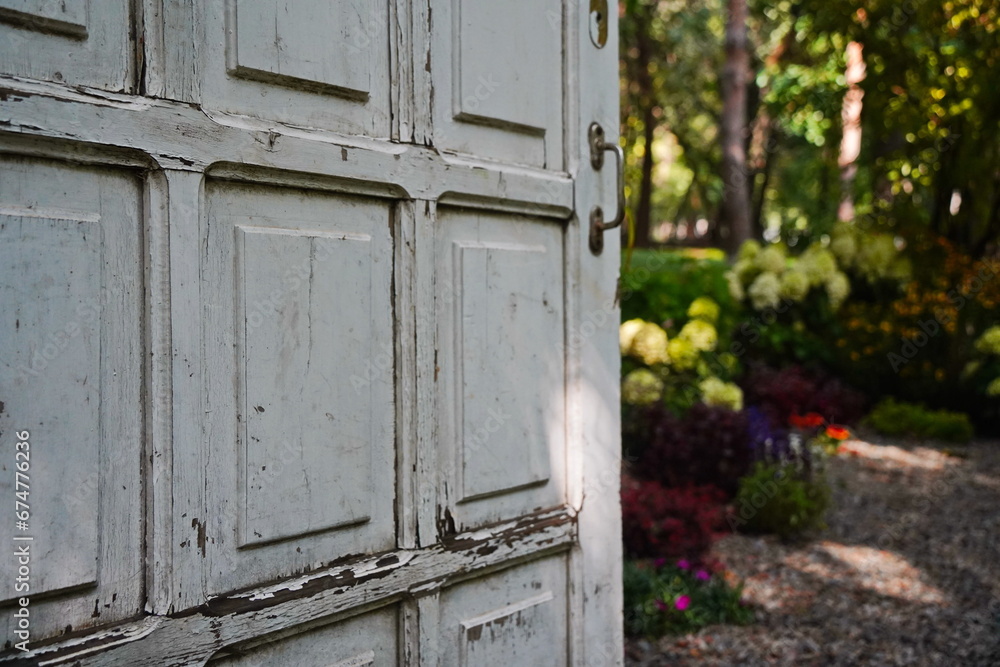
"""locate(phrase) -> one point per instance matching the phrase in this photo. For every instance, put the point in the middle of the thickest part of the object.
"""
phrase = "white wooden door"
(302, 330)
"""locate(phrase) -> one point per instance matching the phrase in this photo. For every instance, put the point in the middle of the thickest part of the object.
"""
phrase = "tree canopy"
(929, 157)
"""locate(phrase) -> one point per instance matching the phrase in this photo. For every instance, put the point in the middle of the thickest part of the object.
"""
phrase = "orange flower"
(838, 432)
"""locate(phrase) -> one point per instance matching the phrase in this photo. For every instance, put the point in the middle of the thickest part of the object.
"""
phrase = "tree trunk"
(736, 192)
(647, 101)
(644, 210)
(850, 143)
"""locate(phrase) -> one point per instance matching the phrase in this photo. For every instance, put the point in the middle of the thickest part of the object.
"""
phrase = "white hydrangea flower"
(838, 288)
(735, 286)
(626, 334)
(844, 245)
(749, 250)
(649, 345)
(794, 285)
(683, 355)
(702, 335)
(875, 256)
(642, 387)
(989, 342)
(993, 389)
(765, 292)
(704, 308)
(771, 259)
(715, 392)
(818, 264)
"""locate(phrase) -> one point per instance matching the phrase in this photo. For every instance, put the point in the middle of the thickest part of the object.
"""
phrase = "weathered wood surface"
(192, 637)
(282, 193)
(71, 345)
(179, 136)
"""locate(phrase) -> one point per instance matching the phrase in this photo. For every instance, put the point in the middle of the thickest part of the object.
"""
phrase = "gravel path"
(908, 572)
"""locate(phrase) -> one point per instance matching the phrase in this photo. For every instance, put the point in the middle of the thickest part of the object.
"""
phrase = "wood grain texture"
(365, 640)
(425, 296)
(158, 457)
(407, 393)
(593, 364)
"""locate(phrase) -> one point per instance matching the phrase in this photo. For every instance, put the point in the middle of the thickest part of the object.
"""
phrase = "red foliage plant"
(796, 391)
(709, 445)
(671, 523)
(806, 421)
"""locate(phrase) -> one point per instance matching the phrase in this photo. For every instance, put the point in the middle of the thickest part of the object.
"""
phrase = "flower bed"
(734, 393)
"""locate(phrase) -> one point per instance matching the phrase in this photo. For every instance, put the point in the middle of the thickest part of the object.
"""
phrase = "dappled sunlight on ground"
(880, 571)
(896, 458)
(906, 574)
(989, 481)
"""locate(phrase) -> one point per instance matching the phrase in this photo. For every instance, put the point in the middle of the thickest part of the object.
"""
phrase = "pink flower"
(660, 604)
(703, 575)
(684, 565)
(682, 603)
(659, 562)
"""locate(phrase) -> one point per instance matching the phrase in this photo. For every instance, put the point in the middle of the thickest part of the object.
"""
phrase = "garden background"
(812, 263)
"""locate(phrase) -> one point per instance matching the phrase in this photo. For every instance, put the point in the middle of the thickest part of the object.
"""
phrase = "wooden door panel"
(71, 377)
(302, 45)
(318, 65)
(62, 260)
(297, 298)
(361, 261)
(502, 369)
(83, 42)
(68, 18)
(295, 363)
(515, 617)
(368, 640)
(497, 71)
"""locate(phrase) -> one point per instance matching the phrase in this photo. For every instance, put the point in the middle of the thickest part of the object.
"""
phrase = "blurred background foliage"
(930, 118)
(814, 200)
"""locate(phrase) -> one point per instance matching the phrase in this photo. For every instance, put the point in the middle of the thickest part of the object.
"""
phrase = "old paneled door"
(303, 333)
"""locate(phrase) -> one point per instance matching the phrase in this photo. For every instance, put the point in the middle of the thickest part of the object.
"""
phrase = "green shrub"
(678, 598)
(661, 285)
(778, 498)
(892, 417)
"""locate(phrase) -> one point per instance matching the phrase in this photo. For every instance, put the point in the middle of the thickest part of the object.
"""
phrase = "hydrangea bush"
(682, 369)
(766, 277)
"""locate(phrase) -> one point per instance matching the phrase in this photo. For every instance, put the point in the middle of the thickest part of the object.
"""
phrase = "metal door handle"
(598, 146)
